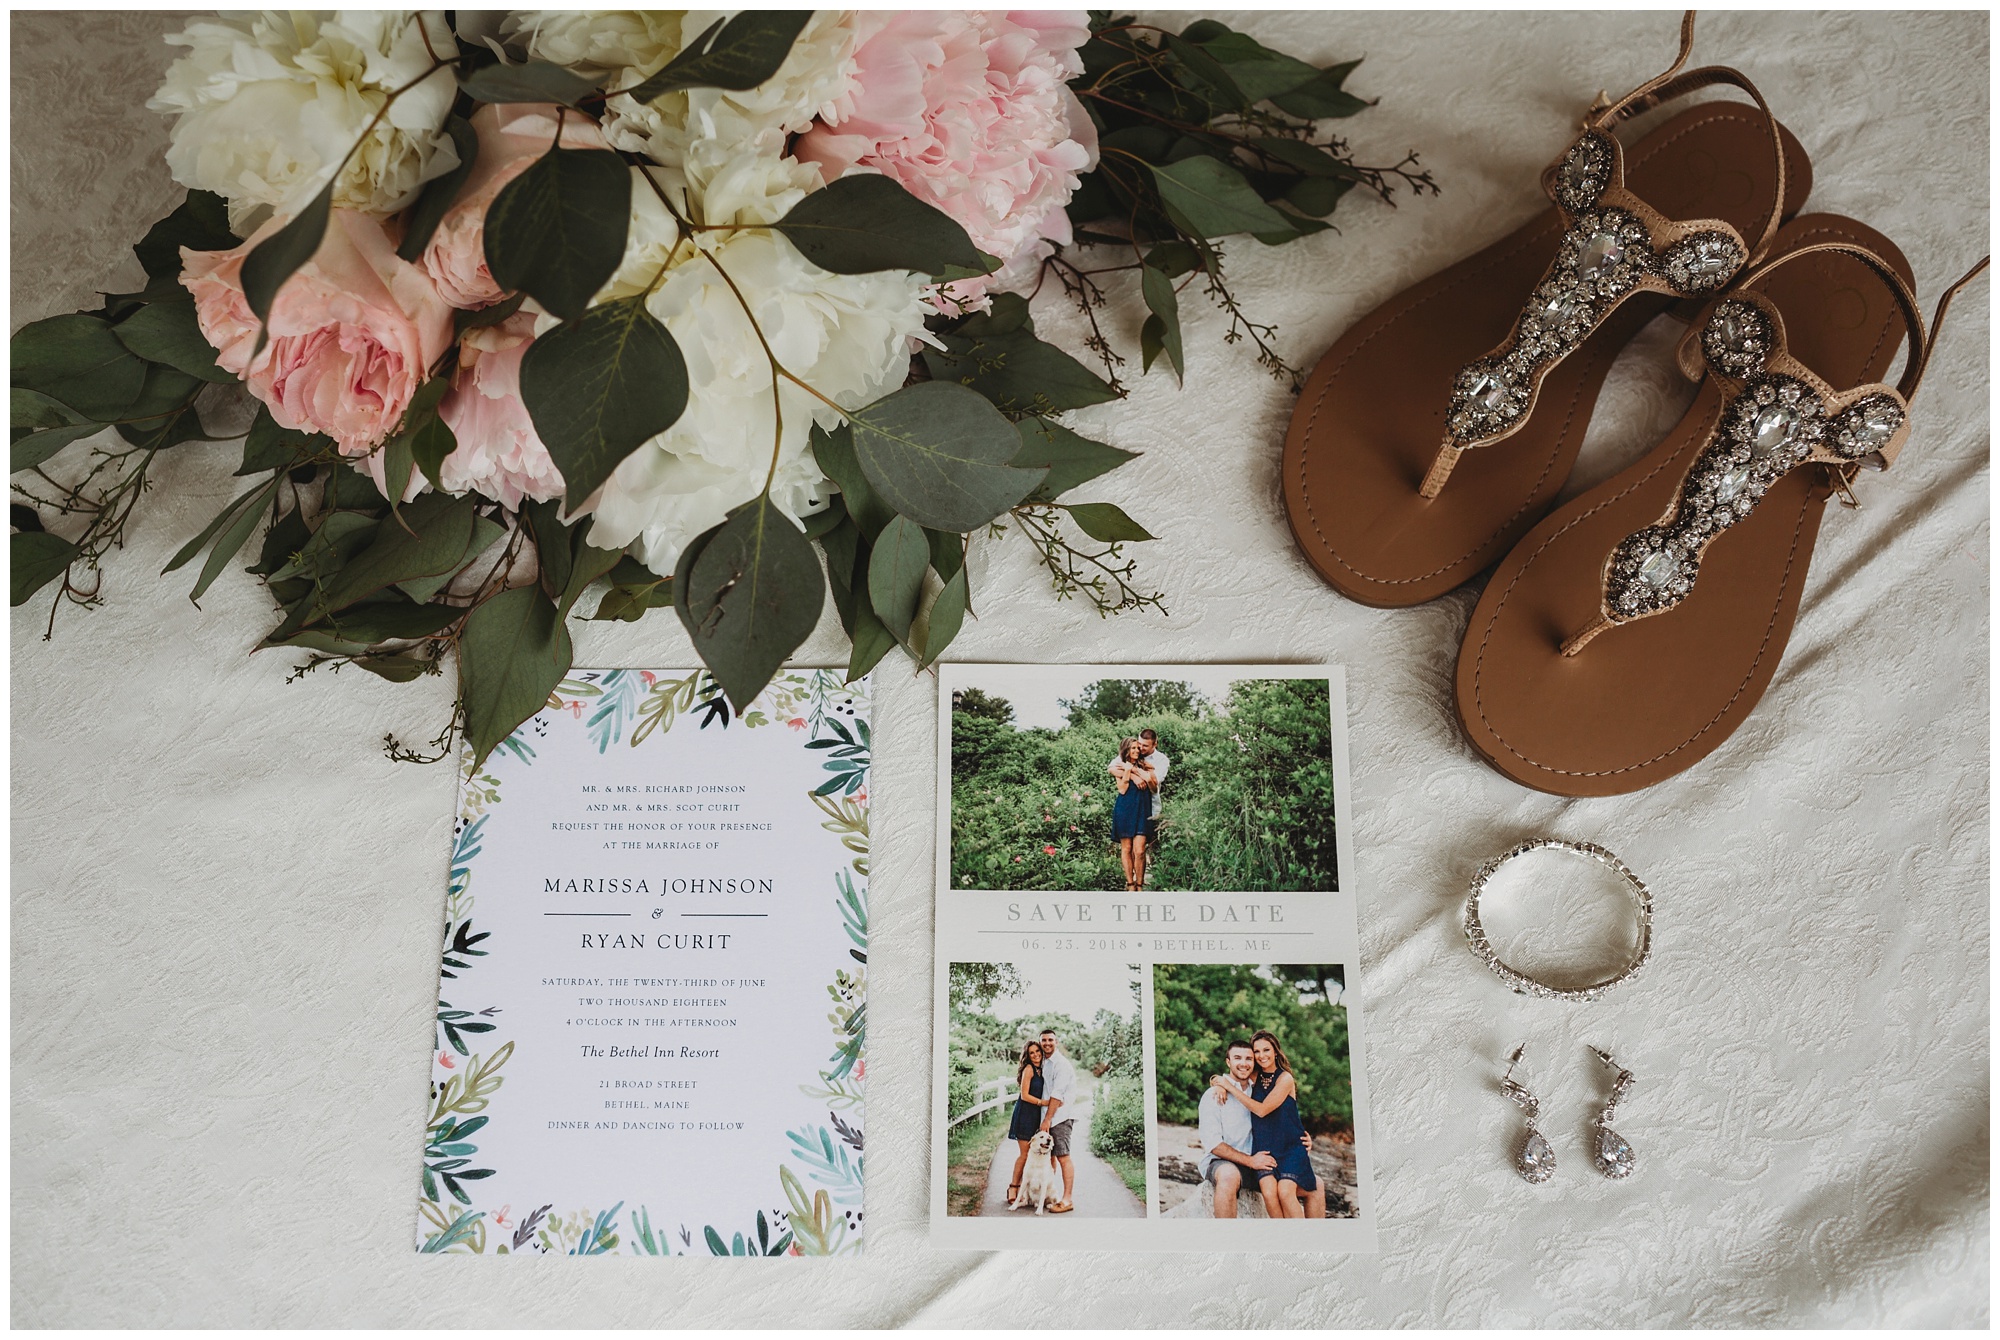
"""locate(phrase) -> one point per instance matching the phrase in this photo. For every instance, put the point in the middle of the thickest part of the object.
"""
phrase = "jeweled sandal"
(1442, 426)
(1633, 630)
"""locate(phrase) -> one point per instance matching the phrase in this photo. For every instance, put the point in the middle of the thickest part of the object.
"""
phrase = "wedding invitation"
(651, 1013)
(1148, 1012)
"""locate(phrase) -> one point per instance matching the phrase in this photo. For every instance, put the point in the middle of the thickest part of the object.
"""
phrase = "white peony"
(703, 130)
(848, 336)
(267, 103)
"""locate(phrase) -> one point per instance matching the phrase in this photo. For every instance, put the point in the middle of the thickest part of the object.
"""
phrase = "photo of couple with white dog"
(1046, 1111)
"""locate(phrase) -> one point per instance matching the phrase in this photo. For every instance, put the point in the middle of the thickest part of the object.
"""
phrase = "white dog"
(1041, 1180)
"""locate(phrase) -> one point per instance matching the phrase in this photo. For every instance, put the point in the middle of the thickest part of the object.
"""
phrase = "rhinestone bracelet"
(1475, 933)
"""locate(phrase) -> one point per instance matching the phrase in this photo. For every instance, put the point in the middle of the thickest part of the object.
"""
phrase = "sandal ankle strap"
(1777, 416)
(1616, 245)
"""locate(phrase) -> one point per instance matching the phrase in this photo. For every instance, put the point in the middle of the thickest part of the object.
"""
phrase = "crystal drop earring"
(1613, 1155)
(1537, 1160)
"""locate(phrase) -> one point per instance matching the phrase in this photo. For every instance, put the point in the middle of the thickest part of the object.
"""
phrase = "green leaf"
(826, 518)
(557, 231)
(163, 413)
(938, 453)
(745, 52)
(430, 442)
(44, 426)
(166, 332)
(1165, 304)
(1205, 75)
(551, 543)
(532, 81)
(635, 588)
(1254, 68)
(1323, 97)
(1152, 342)
(896, 567)
(390, 621)
(286, 537)
(587, 564)
(275, 259)
(512, 652)
(1211, 199)
(1307, 158)
(439, 193)
(1106, 522)
(872, 641)
(1016, 370)
(753, 593)
(947, 552)
(232, 539)
(1316, 196)
(337, 538)
(860, 224)
(76, 360)
(493, 315)
(34, 559)
(208, 532)
(1174, 258)
(200, 223)
(267, 446)
(947, 617)
(599, 386)
(438, 534)
(835, 453)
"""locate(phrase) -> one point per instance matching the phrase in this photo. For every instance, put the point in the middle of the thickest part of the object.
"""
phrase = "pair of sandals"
(1628, 633)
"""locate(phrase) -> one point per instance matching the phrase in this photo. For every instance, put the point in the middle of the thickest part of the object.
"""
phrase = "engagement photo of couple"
(1203, 783)
(1045, 1113)
(1254, 1121)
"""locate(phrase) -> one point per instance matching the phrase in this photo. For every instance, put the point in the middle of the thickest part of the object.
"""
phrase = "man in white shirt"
(1226, 1138)
(1058, 1117)
(1149, 749)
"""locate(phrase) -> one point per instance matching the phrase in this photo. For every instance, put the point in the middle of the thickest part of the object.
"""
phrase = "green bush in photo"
(1248, 805)
(1199, 1008)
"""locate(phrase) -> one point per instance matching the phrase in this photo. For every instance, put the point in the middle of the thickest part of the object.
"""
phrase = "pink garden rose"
(353, 331)
(511, 136)
(499, 454)
(971, 111)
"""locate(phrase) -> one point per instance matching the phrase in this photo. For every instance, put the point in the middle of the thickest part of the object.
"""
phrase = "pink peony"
(971, 111)
(511, 136)
(499, 453)
(353, 331)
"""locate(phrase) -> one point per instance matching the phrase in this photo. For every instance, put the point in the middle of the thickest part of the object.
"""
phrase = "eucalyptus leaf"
(835, 453)
(163, 414)
(432, 539)
(77, 360)
(1254, 68)
(1323, 97)
(947, 552)
(599, 386)
(44, 426)
(1206, 75)
(230, 509)
(1316, 196)
(752, 595)
(231, 540)
(1016, 370)
(855, 225)
(939, 454)
(1212, 199)
(557, 231)
(746, 51)
(275, 259)
(947, 616)
(440, 193)
(267, 446)
(1152, 341)
(896, 566)
(827, 517)
(391, 621)
(1105, 522)
(1165, 304)
(34, 559)
(166, 332)
(1307, 158)
(199, 223)
(485, 534)
(512, 652)
(533, 81)
(1070, 458)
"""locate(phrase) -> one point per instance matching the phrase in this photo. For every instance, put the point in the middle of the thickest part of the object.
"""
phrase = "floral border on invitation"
(821, 1177)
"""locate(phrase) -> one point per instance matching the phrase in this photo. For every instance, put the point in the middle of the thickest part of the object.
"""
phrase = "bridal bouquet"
(654, 304)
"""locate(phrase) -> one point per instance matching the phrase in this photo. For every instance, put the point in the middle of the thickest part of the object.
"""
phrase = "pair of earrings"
(1537, 1160)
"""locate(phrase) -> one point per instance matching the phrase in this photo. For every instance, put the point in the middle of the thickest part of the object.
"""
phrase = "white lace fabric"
(226, 902)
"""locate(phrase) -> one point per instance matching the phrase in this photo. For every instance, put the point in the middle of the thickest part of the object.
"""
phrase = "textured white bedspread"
(226, 901)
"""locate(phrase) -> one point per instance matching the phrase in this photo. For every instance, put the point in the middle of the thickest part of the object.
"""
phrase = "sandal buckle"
(1842, 478)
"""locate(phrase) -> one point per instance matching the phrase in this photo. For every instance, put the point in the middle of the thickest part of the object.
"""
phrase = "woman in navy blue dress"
(1131, 810)
(1275, 1128)
(1027, 1110)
